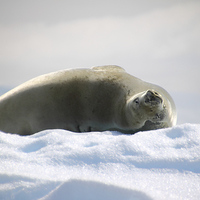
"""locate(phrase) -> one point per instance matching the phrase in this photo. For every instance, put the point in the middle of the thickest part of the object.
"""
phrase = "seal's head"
(151, 110)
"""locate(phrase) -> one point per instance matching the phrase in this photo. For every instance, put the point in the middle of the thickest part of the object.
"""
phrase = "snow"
(59, 164)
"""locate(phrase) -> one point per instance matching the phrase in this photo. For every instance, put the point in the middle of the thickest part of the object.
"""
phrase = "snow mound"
(59, 164)
(78, 189)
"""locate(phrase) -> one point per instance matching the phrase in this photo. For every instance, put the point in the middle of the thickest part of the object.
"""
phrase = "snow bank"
(58, 164)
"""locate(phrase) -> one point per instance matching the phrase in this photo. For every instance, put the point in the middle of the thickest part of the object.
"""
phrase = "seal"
(82, 100)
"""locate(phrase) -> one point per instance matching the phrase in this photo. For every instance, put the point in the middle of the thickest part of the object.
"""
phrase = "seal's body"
(82, 100)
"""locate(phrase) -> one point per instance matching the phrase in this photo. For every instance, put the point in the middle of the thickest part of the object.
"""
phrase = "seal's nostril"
(149, 96)
(152, 97)
(149, 93)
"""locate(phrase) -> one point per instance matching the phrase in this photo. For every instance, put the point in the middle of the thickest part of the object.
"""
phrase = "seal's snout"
(152, 98)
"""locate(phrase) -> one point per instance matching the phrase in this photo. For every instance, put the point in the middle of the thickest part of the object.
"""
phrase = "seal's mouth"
(158, 117)
(152, 98)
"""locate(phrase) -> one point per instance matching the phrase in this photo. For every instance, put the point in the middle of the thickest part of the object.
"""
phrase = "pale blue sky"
(157, 41)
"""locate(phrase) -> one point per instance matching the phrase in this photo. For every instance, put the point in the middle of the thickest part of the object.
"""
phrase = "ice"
(59, 164)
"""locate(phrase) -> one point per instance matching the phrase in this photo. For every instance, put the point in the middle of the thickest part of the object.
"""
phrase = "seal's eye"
(136, 100)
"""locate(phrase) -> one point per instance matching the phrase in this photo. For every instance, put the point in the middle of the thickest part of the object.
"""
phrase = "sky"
(157, 41)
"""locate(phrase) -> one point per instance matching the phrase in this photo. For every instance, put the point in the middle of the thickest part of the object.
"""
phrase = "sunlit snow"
(58, 164)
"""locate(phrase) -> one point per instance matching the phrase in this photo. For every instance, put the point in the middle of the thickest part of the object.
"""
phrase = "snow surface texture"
(58, 164)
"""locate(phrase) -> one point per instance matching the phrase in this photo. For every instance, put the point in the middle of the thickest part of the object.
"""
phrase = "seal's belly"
(87, 106)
